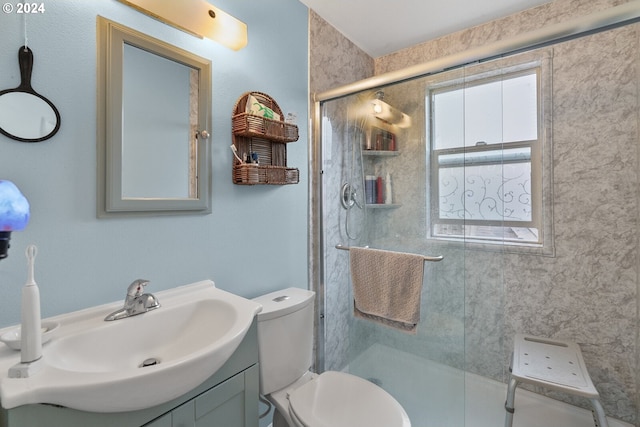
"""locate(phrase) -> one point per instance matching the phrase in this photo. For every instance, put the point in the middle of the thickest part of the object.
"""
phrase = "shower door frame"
(617, 16)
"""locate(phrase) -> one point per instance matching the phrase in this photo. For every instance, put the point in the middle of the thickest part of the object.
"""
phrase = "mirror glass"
(167, 92)
(153, 115)
(25, 115)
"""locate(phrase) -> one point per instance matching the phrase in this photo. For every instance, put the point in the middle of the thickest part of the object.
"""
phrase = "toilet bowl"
(305, 399)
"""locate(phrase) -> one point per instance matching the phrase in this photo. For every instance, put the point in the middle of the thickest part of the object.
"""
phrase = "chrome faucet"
(135, 302)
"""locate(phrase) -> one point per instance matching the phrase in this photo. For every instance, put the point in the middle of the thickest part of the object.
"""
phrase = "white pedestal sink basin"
(99, 366)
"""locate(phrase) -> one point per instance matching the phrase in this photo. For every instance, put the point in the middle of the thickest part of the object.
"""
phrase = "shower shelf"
(265, 137)
(381, 153)
(382, 206)
(375, 157)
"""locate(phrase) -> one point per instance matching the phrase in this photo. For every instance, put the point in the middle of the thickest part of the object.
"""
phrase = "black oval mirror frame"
(26, 110)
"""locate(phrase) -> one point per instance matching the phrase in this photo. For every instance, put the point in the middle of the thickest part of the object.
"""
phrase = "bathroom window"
(487, 139)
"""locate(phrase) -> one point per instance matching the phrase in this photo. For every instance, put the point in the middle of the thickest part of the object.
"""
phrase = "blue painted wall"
(254, 241)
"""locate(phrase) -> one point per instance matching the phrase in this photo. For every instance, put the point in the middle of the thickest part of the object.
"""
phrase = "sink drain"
(149, 362)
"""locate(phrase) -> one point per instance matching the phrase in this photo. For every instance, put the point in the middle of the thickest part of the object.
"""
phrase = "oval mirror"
(25, 115)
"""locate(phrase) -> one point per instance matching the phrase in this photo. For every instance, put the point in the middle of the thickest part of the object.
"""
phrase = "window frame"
(540, 156)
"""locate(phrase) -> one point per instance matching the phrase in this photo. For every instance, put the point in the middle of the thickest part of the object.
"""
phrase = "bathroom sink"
(136, 362)
(169, 335)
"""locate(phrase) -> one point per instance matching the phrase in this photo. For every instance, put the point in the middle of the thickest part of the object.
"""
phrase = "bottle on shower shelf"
(388, 193)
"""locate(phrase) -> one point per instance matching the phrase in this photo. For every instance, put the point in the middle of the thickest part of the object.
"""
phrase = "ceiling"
(380, 27)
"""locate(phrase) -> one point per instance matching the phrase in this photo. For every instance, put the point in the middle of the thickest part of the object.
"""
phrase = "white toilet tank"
(285, 337)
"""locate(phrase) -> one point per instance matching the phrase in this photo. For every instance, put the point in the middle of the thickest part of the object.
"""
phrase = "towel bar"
(426, 258)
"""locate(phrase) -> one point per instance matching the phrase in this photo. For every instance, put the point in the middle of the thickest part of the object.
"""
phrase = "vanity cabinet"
(229, 398)
(224, 405)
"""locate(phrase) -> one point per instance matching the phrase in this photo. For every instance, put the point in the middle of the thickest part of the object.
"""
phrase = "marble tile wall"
(547, 14)
(334, 61)
(477, 300)
(588, 291)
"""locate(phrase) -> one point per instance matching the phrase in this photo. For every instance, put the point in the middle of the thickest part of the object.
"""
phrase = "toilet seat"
(337, 399)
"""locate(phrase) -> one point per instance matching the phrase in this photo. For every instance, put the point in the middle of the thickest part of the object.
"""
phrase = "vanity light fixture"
(14, 213)
(196, 17)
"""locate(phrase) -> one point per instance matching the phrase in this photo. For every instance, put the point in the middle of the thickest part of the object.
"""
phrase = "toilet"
(303, 398)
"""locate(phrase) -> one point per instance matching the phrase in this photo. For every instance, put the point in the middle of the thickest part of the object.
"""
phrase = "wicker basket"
(249, 125)
(267, 138)
(249, 174)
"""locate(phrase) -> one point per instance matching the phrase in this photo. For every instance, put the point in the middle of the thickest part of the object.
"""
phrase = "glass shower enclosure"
(376, 194)
(455, 159)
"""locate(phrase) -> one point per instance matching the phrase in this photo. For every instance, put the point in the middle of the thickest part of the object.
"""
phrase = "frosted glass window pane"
(490, 192)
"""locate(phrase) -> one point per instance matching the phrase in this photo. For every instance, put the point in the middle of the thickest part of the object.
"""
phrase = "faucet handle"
(136, 288)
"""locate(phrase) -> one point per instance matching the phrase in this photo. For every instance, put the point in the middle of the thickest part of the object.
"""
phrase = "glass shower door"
(423, 370)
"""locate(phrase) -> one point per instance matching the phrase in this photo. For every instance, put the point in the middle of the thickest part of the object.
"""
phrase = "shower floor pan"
(436, 395)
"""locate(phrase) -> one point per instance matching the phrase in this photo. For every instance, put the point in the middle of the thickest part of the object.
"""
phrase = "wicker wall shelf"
(265, 137)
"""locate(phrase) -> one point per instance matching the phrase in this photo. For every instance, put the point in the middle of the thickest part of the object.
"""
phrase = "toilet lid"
(336, 399)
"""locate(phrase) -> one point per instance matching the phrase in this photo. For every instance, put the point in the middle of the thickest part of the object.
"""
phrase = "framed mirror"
(153, 125)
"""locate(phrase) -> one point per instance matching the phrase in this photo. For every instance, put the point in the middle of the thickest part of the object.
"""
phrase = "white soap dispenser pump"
(31, 328)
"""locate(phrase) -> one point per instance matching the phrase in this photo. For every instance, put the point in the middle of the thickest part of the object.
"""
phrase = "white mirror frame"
(111, 39)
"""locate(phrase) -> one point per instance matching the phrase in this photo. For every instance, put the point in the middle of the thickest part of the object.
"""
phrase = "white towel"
(387, 286)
